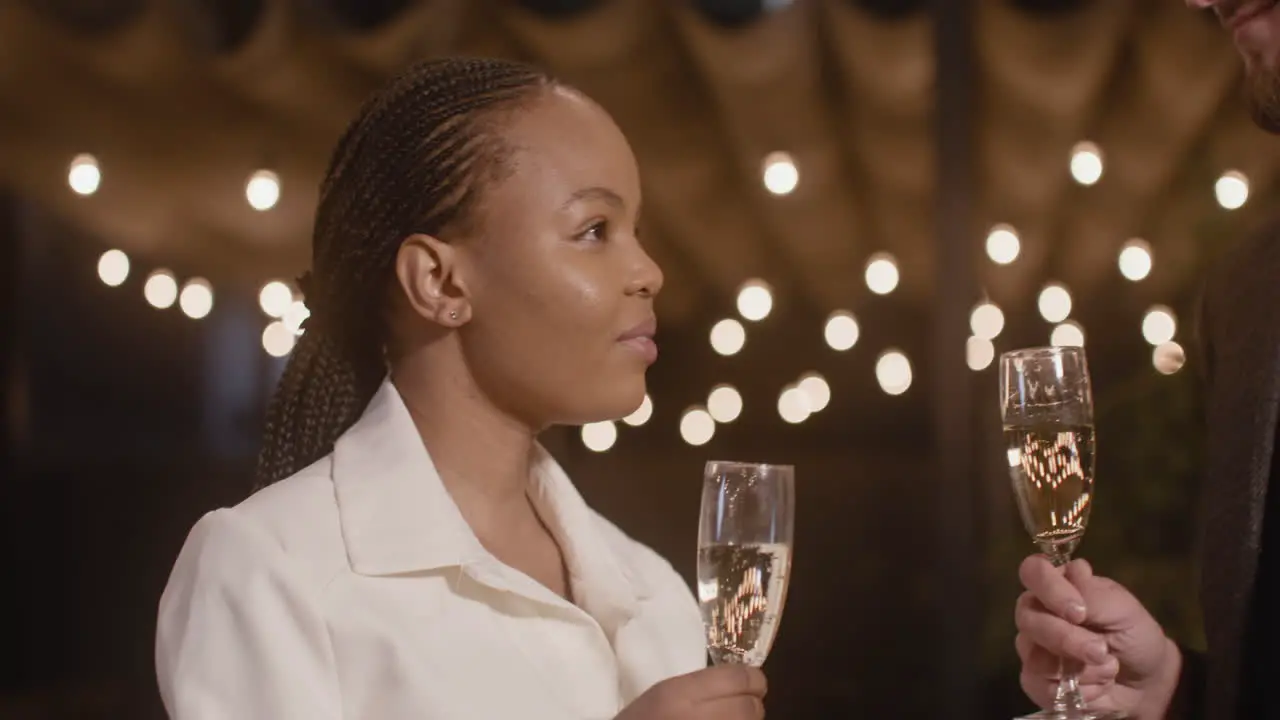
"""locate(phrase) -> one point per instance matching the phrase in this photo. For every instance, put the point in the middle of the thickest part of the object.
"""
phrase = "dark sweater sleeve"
(1189, 699)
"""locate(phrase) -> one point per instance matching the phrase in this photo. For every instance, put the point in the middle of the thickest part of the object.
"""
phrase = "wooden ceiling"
(180, 100)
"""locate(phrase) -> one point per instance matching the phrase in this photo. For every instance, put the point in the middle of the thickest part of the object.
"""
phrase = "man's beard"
(1262, 96)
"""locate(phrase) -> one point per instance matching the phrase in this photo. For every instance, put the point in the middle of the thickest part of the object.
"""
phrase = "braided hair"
(414, 160)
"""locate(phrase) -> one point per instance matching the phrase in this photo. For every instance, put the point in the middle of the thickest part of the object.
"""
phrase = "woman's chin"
(614, 403)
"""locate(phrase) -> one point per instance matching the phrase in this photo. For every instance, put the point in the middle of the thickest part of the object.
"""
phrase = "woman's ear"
(427, 272)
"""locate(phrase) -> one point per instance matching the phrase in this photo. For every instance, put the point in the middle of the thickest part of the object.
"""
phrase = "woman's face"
(560, 319)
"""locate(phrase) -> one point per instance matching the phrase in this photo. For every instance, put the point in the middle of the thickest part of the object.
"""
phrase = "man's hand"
(1128, 663)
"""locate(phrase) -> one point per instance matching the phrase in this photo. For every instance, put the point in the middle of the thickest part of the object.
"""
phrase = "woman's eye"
(596, 233)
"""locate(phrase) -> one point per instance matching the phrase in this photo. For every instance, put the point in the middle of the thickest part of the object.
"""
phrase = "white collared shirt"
(355, 589)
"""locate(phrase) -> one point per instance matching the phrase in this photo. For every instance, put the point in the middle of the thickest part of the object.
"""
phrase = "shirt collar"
(397, 517)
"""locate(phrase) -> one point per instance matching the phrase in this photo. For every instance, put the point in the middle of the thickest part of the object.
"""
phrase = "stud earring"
(453, 314)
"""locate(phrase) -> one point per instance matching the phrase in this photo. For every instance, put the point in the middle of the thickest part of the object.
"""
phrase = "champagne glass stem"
(1067, 700)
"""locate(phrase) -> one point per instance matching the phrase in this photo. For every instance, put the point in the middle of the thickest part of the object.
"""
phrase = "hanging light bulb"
(263, 190)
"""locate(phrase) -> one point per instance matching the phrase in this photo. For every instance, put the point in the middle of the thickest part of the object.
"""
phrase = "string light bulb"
(161, 289)
(979, 353)
(1159, 325)
(599, 436)
(1168, 358)
(1086, 163)
(1067, 334)
(724, 403)
(882, 273)
(1003, 244)
(196, 298)
(728, 337)
(641, 414)
(113, 268)
(1135, 260)
(780, 174)
(1232, 190)
(84, 176)
(893, 372)
(816, 391)
(263, 190)
(841, 330)
(755, 300)
(277, 339)
(793, 405)
(1054, 303)
(275, 299)
(697, 427)
(986, 321)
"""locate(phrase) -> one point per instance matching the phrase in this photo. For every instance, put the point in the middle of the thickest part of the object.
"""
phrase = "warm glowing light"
(161, 289)
(1054, 303)
(728, 336)
(724, 403)
(986, 321)
(1232, 190)
(882, 273)
(841, 331)
(1068, 334)
(1003, 244)
(277, 339)
(1168, 358)
(113, 268)
(263, 190)
(196, 299)
(295, 316)
(816, 391)
(641, 414)
(697, 427)
(793, 405)
(780, 173)
(84, 176)
(978, 353)
(1086, 163)
(275, 299)
(1159, 325)
(599, 436)
(893, 372)
(1135, 260)
(755, 300)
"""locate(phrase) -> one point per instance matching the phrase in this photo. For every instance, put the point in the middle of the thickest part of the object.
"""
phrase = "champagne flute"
(744, 557)
(1046, 404)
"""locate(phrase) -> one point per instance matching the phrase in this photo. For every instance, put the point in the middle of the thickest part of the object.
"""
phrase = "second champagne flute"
(1046, 403)
(744, 557)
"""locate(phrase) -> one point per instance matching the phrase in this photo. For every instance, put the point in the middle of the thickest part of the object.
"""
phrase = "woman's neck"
(482, 454)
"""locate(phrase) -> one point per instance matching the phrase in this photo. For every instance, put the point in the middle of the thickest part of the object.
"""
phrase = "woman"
(476, 277)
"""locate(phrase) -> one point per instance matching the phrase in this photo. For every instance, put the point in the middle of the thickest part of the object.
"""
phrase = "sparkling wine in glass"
(744, 557)
(1046, 404)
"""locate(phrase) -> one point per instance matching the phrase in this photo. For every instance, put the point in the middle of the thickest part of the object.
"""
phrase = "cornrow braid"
(413, 161)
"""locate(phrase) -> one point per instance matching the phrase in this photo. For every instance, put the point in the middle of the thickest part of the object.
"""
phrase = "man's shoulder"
(1253, 262)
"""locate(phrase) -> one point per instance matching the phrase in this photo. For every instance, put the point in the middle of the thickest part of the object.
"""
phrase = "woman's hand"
(724, 692)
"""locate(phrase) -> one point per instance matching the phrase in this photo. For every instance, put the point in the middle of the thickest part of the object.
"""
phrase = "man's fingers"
(1052, 588)
(1043, 664)
(1078, 571)
(1056, 635)
(1111, 605)
(1025, 647)
(1039, 690)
